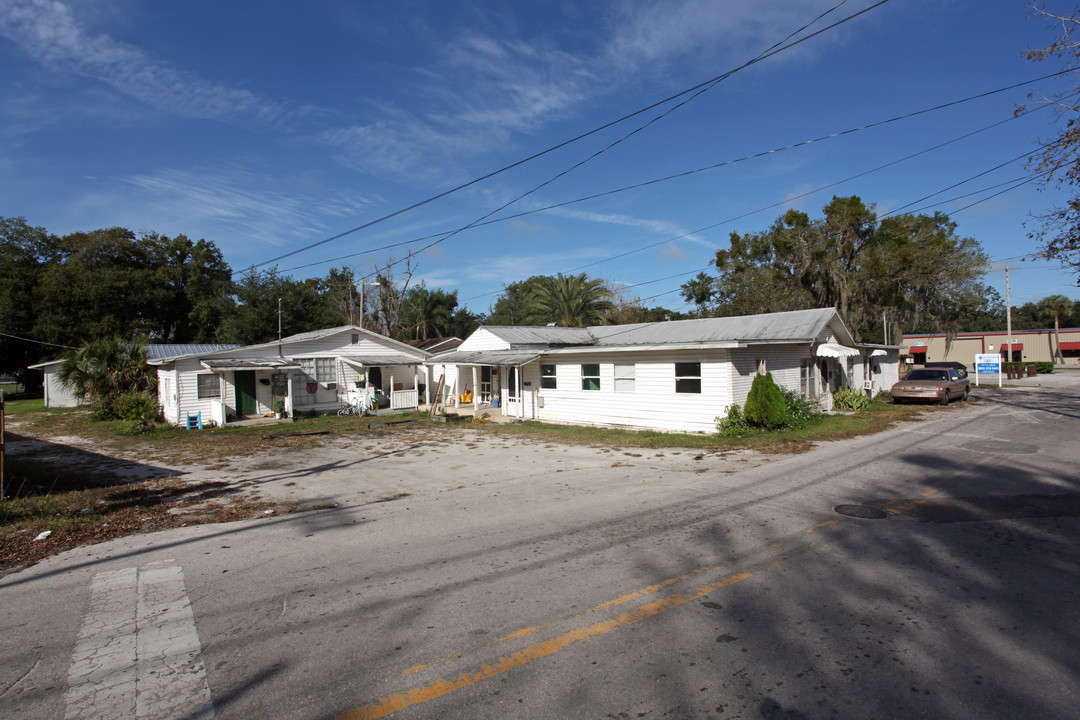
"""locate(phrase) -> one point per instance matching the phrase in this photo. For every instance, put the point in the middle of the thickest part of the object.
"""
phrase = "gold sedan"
(938, 385)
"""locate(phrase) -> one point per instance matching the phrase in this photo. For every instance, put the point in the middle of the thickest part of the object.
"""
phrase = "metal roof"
(505, 358)
(545, 336)
(160, 352)
(381, 360)
(258, 363)
(792, 326)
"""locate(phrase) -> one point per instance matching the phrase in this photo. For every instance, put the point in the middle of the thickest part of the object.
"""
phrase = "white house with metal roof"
(675, 375)
(308, 372)
(57, 394)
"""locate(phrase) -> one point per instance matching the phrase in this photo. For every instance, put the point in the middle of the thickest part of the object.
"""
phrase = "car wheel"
(898, 401)
(944, 398)
(967, 391)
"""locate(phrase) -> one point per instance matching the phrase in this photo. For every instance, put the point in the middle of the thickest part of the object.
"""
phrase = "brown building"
(1026, 346)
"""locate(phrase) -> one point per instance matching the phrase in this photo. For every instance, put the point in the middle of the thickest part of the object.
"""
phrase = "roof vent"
(551, 324)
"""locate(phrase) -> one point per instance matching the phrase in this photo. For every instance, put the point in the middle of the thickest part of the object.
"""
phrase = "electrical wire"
(694, 92)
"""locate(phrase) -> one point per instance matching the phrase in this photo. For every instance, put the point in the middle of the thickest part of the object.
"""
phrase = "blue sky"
(269, 127)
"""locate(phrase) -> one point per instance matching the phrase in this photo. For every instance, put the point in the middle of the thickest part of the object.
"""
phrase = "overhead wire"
(445, 234)
(693, 92)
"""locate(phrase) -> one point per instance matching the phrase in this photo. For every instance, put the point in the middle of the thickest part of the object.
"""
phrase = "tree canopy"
(1057, 162)
(914, 268)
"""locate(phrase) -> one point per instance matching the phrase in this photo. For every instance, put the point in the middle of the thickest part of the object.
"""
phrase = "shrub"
(734, 425)
(765, 406)
(139, 411)
(850, 399)
(1044, 368)
(800, 410)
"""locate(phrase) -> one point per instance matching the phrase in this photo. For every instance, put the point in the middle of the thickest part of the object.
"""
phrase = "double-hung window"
(688, 378)
(625, 377)
(590, 376)
(547, 377)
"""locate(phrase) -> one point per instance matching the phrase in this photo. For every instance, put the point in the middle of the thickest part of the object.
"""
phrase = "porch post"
(475, 389)
(427, 385)
(392, 392)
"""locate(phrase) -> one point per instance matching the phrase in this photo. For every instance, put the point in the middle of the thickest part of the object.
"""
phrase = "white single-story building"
(57, 394)
(676, 375)
(308, 372)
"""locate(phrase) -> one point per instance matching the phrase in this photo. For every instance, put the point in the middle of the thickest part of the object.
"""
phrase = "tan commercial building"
(1026, 346)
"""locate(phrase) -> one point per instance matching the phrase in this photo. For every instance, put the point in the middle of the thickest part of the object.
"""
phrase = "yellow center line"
(398, 701)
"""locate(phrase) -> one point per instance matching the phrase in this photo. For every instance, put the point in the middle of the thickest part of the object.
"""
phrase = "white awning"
(834, 350)
(878, 353)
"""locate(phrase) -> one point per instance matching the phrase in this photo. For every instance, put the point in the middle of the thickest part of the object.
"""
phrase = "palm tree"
(573, 300)
(105, 368)
(1056, 306)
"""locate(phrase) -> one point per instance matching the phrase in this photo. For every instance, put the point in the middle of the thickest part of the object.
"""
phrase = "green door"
(244, 381)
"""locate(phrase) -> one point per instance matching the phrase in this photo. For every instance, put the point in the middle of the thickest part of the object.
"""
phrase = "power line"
(444, 235)
(39, 342)
(694, 91)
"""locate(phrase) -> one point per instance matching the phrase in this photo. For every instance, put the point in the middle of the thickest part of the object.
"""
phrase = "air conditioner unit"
(868, 385)
(331, 386)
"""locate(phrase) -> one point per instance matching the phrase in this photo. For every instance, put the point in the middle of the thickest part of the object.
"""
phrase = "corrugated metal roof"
(159, 352)
(795, 325)
(505, 358)
(535, 335)
(262, 363)
(771, 327)
(381, 360)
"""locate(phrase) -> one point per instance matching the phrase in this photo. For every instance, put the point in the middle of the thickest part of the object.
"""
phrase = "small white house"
(676, 375)
(57, 394)
(308, 372)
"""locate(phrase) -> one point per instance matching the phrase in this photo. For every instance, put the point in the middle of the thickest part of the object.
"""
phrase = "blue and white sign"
(987, 363)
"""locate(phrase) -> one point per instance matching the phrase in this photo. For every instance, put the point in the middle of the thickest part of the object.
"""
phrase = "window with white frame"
(807, 378)
(209, 385)
(547, 377)
(590, 376)
(688, 378)
(625, 377)
(318, 369)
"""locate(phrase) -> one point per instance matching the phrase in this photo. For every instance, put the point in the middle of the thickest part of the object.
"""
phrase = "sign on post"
(987, 363)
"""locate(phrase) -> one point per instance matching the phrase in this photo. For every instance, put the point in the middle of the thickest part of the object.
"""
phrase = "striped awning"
(835, 350)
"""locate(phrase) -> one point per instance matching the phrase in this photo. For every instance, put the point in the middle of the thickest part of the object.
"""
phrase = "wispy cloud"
(49, 31)
(482, 90)
(245, 207)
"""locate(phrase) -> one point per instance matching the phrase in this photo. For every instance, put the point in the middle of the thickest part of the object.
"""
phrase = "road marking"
(138, 653)
(398, 701)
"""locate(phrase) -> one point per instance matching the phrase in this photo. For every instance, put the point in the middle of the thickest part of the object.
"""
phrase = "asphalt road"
(641, 589)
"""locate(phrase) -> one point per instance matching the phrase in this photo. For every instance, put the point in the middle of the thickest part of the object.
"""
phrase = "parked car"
(940, 384)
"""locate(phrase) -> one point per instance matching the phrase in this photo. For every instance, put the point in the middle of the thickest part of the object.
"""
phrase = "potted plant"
(279, 409)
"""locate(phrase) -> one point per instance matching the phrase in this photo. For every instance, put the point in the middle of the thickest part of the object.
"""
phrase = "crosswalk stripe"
(138, 654)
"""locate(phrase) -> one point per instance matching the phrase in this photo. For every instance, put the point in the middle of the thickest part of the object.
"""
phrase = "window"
(807, 379)
(209, 385)
(762, 367)
(355, 337)
(688, 378)
(318, 369)
(324, 370)
(590, 376)
(625, 374)
(547, 377)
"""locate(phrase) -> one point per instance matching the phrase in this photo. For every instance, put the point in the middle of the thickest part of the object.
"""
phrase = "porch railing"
(404, 399)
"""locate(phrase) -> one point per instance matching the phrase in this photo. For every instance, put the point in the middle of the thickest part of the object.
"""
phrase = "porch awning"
(264, 363)
(1070, 346)
(878, 353)
(380, 360)
(501, 358)
(835, 350)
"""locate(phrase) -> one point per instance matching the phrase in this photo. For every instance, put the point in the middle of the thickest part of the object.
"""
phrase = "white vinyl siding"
(652, 404)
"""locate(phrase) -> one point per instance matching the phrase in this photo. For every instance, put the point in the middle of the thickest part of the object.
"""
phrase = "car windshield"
(927, 375)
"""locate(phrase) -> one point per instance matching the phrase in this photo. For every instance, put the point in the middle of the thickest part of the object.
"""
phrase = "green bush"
(1041, 367)
(850, 399)
(138, 410)
(800, 410)
(734, 424)
(765, 406)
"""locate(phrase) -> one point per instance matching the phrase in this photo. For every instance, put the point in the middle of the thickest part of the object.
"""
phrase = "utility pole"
(885, 326)
(1008, 317)
(279, 327)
